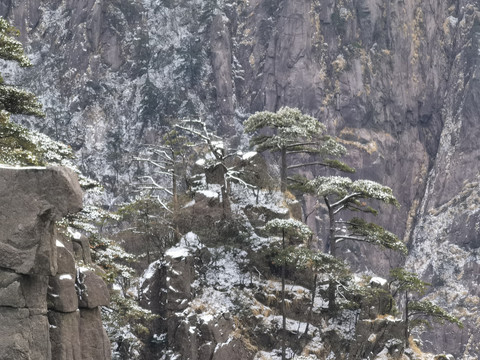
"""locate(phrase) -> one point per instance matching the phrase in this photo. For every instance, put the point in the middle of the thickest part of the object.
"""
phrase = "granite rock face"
(397, 82)
(39, 306)
(33, 199)
(168, 291)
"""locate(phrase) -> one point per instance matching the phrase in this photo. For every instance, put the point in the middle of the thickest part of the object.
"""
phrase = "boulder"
(91, 289)
(372, 336)
(232, 349)
(37, 263)
(81, 249)
(62, 295)
(32, 200)
(65, 260)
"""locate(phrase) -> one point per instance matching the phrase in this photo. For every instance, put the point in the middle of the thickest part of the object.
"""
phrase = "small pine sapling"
(331, 268)
(417, 312)
(288, 229)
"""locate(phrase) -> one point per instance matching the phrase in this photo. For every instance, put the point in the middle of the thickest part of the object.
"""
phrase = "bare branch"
(155, 186)
(163, 205)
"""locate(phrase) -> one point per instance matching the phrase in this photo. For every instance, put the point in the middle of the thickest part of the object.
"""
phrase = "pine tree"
(169, 162)
(417, 312)
(17, 144)
(342, 194)
(330, 268)
(288, 229)
(12, 99)
(290, 132)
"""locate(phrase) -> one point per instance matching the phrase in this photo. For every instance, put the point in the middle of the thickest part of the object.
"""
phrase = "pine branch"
(306, 164)
(345, 199)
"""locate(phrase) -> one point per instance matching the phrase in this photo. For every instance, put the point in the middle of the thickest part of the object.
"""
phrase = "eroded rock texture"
(40, 316)
(168, 291)
(396, 81)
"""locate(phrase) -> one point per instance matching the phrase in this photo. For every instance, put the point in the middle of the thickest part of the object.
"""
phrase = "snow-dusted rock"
(91, 289)
(62, 295)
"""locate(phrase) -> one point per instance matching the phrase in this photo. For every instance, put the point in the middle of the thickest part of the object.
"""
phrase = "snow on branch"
(289, 227)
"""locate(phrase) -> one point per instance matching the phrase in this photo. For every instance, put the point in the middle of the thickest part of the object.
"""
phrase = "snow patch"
(377, 281)
(177, 252)
(22, 167)
(452, 20)
(150, 270)
(249, 155)
(188, 244)
(74, 234)
(200, 162)
(65, 277)
(59, 243)
(208, 194)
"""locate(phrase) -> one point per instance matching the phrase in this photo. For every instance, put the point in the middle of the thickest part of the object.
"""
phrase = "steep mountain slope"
(396, 80)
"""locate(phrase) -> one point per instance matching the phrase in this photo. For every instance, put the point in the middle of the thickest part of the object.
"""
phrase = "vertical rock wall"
(46, 311)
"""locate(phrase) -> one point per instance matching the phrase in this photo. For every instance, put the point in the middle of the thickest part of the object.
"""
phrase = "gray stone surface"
(94, 341)
(11, 294)
(81, 250)
(33, 199)
(24, 335)
(65, 260)
(37, 265)
(62, 295)
(65, 335)
(373, 335)
(91, 289)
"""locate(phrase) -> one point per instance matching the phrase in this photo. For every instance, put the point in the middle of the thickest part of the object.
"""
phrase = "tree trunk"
(332, 306)
(310, 310)
(407, 333)
(284, 317)
(175, 204)
(225, 200)
(283, 171)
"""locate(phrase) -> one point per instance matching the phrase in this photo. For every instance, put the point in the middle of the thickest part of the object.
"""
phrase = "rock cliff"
(396, 81)
(49, 308)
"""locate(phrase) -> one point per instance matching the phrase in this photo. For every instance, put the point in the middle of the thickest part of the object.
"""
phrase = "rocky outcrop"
(183, 328)
(39, 304)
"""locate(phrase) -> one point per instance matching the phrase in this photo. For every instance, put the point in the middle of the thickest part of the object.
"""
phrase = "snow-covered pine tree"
(328, 267)
(169, 162)
(417, 312)
(18, 145)
(288, 229)
(12, 99)
(290, 132)
(341, 194)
